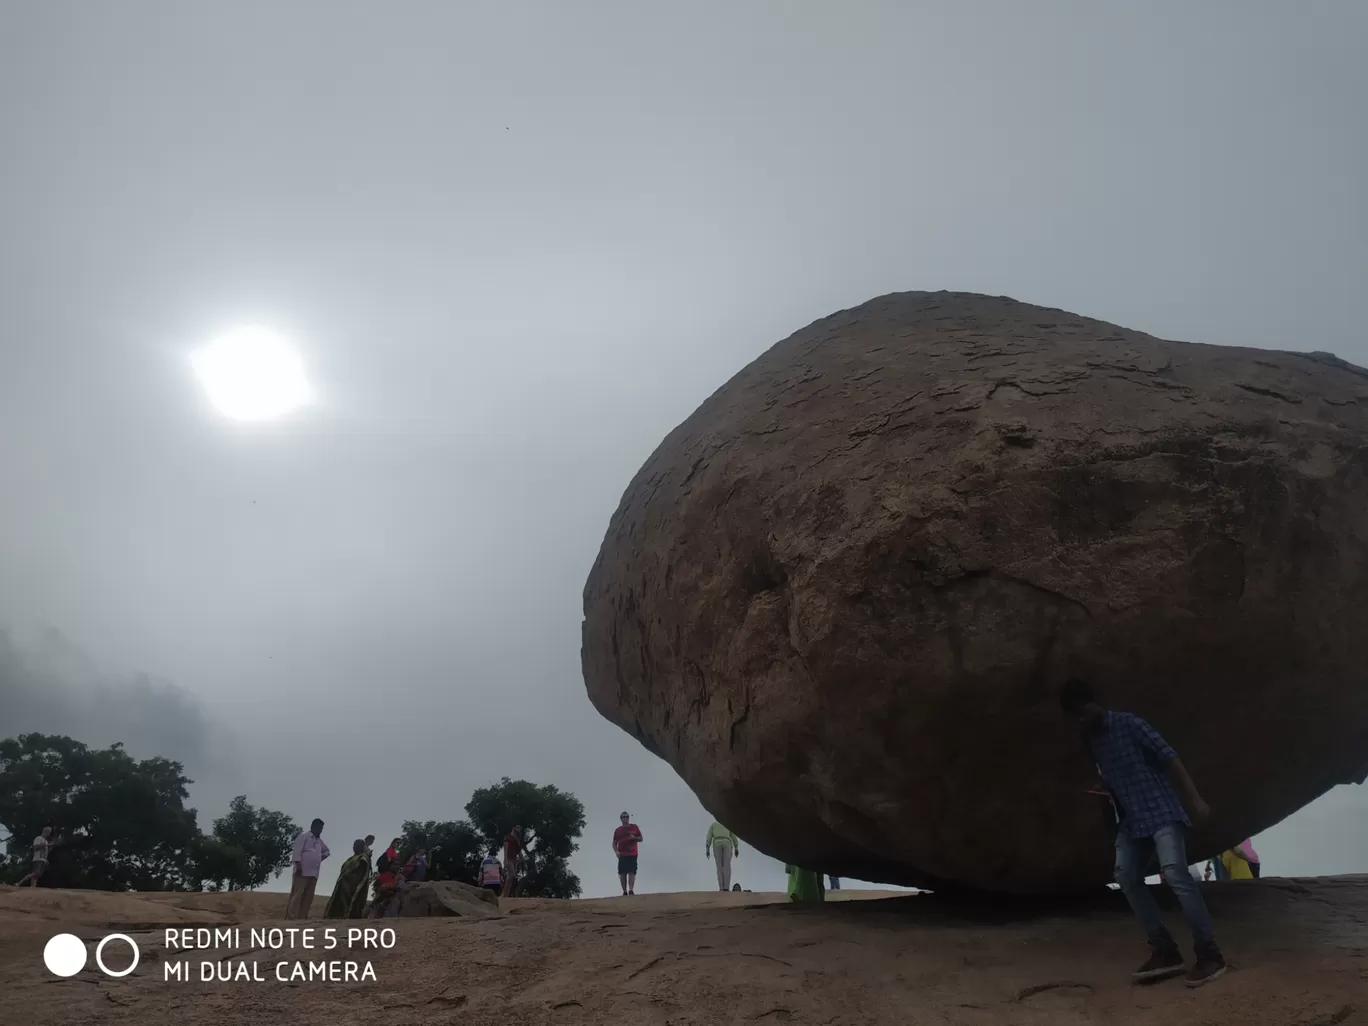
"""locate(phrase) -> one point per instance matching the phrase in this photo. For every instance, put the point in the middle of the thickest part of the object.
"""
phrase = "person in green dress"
(348, 899)
(805, 885)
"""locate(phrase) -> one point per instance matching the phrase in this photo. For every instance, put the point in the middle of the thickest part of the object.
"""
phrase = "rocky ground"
(1299, 950)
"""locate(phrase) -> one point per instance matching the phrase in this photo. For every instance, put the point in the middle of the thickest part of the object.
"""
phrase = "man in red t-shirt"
(625, 841)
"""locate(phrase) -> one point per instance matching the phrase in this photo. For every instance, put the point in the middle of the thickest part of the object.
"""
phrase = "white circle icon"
(65, 955)
(99, 952)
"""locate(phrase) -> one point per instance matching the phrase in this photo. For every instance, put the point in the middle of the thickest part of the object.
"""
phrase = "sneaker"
(1161, 966)
(633, 893)
(1206, 970)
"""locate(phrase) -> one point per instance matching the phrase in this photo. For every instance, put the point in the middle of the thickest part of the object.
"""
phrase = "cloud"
(50, 685)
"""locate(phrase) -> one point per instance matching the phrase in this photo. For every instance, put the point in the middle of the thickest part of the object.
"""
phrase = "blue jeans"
(1132, 857)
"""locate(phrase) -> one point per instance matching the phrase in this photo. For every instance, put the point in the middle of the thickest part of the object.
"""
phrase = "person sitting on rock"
(415, 870)
(1139, 771)
(387, 883)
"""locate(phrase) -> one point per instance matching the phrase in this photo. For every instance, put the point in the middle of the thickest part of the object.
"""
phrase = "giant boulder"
(839, 599)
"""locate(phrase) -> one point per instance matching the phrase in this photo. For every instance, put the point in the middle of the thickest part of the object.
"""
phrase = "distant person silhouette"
(42, 845)
(513, 861)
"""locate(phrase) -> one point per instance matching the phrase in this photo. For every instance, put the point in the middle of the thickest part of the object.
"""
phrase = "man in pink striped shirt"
(305, 862)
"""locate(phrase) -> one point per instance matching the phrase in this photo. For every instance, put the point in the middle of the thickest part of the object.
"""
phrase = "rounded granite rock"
(839, 599)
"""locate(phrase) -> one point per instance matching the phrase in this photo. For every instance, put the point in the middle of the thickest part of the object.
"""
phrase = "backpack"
(382, 864)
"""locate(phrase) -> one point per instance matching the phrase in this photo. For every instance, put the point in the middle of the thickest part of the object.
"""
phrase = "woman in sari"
(348, 899)
(805, 885)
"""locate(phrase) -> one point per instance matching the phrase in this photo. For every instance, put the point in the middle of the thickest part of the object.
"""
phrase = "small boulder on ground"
(447, 898)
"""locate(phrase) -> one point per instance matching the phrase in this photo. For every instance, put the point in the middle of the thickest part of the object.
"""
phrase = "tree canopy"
(454, 848)
(257, 843)
(122, 824)
(552, 821)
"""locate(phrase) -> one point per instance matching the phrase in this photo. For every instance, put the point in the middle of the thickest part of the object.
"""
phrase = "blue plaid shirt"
(1134, 759)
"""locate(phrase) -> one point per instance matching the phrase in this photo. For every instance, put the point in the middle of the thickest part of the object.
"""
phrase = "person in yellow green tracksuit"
(722, 846)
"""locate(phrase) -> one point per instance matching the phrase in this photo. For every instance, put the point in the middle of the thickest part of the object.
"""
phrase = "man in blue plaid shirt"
(1139, 770)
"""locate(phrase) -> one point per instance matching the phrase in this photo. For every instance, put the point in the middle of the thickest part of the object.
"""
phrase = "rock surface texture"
(839, 599)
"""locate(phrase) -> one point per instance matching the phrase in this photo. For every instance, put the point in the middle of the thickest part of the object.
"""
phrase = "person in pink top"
(305, 861)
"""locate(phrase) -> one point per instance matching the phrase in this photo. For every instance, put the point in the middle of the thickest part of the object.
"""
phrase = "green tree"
(552, 821)
(123, 823)
(454, 848)
(264, 839)
(219, 866)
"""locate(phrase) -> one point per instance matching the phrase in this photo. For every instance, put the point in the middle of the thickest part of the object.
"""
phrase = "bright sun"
(252, 374)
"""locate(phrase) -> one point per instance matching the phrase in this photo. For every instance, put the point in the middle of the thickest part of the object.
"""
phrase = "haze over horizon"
(516, 245)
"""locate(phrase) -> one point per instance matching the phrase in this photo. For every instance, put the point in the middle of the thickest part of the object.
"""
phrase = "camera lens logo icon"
(65, 955)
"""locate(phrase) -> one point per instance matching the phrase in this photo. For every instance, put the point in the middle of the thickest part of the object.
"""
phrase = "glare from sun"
(252, 373)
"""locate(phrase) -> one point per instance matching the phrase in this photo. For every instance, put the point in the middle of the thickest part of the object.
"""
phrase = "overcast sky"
(517, 243)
